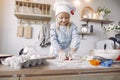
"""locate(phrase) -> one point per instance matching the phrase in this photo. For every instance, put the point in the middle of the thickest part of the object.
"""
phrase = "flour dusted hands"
(62, 55)
(71, 55)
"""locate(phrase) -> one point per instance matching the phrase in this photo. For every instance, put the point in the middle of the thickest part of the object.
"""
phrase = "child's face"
(63, 18)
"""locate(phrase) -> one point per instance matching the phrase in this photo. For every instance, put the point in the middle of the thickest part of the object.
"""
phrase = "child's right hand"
(62, 55)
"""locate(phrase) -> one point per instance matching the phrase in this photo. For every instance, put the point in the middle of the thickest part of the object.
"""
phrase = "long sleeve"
(54, 38)
(75, 43)
(64, 38)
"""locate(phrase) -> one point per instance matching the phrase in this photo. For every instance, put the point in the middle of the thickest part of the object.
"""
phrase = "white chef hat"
(63, 6)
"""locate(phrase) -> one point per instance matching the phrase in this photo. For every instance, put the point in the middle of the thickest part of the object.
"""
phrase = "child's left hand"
(70, 55)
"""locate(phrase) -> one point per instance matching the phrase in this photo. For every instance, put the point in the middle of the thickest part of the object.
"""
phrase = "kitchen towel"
(28, 32)
(20, 31)
(44, 35)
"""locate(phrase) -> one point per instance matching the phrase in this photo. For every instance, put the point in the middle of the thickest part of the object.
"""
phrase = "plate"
(87, 12)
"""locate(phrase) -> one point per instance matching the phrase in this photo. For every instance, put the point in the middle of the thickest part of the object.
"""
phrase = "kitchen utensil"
(105, 46)
(114, 40)
(107, 63)
(102, 59)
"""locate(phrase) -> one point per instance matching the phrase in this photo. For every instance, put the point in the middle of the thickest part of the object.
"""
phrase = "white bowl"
(109, 54)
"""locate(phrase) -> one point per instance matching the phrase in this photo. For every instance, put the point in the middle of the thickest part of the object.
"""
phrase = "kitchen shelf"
(32, 16)
(96, 21)
(32, 10)
(86, 34)
(32, 2)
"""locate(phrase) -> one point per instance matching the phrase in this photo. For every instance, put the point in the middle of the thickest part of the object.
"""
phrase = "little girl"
(64, 37)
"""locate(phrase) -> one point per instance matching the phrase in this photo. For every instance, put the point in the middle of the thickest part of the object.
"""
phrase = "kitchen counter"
(59, 68)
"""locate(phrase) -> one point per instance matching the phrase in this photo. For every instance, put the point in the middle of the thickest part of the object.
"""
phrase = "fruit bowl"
(108, 54)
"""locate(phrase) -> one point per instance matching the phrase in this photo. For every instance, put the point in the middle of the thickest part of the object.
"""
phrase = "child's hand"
(71, 55)
(62, 55)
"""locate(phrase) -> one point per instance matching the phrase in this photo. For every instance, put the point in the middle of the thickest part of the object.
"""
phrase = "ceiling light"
(77, 2)
(88, 0)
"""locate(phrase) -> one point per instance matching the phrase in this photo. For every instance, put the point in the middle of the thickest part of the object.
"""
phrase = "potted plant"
(103, 12)
(111, 30)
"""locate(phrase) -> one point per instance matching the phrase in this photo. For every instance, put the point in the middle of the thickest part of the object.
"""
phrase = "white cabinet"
(32, 10)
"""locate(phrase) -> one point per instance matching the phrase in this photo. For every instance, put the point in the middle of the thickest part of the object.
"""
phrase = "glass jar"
(84, 28)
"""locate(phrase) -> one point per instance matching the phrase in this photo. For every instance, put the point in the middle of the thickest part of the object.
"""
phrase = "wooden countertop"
(52, 67)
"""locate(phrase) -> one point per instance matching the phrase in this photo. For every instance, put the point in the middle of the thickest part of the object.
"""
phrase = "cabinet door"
(73, 77)
(9, 78)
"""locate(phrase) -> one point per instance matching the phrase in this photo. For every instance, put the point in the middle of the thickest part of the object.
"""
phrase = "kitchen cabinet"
(73, 77)
(32, 10)
(12, 77)
(66, 77)
(53, 70)
(9, 78)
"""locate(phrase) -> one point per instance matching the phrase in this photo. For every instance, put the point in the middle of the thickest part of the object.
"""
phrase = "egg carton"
(33, 62)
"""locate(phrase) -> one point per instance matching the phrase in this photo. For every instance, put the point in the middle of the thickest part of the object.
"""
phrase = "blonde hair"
(58, 25)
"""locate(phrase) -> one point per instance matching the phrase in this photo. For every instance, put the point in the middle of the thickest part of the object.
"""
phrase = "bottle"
(118, 23)
(91, 28)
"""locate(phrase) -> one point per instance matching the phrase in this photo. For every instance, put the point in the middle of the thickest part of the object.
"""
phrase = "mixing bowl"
(109, 54)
